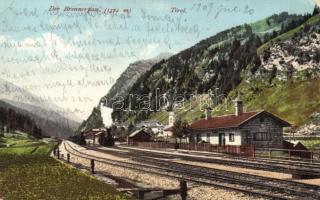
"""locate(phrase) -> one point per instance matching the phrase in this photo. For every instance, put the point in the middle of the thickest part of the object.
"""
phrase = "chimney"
(238, 103)
(207, 113)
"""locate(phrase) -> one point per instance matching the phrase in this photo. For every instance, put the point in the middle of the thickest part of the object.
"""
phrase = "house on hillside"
(261, 128)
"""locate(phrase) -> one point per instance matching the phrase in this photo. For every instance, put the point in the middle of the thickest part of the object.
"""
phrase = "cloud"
(2, 39)
(46, 42)
(57, 43)
(88, 33)
(147, 51)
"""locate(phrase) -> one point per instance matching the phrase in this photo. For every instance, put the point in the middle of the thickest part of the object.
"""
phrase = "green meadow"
(28, 172)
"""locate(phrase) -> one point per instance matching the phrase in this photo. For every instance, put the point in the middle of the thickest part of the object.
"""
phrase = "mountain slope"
(15, 94)
(130, 76)
(217, 62)
(120, 88)
(48, 127)
(286, 83)
(94, 120)
(233, 61)
(53, 121)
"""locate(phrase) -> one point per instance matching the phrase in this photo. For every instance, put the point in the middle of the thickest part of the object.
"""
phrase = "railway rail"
(288, 167)
(251, 184)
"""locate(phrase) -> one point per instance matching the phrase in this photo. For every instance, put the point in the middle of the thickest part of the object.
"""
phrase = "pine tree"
(181, 129)
(316, 10)
(1, 131)
(36, 132)
(130, 127)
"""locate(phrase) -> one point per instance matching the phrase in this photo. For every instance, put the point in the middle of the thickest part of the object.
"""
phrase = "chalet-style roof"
(232, 121)
(93, 133)
(138, 131)
(295, 145)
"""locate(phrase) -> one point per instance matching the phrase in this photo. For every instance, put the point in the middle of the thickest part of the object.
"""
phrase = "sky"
(69, 55)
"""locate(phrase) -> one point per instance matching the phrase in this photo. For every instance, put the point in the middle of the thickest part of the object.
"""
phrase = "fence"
(288, 154)
(154, 145)
(228, 149)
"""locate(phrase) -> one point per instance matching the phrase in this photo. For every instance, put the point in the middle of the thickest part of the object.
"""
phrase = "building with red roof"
(93, 135)
(260, 128)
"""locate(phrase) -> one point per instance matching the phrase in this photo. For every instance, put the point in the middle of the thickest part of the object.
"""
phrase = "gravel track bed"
(147, 180)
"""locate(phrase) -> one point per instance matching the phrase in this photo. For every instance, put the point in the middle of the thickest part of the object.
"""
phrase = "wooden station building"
(260, 129)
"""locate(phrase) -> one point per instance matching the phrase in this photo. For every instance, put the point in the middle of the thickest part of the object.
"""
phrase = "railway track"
(138, 155)
(301, 163)
(311, 169)
(251, 184)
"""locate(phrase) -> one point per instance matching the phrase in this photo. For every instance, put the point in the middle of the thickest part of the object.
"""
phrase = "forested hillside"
(12, 120)
(215, 64)
(286, 83)
(48, 126)
(272, 63)
(121, 88)
(52, 119)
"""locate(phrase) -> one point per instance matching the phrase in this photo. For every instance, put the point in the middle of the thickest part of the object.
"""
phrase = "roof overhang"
(283, 122)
